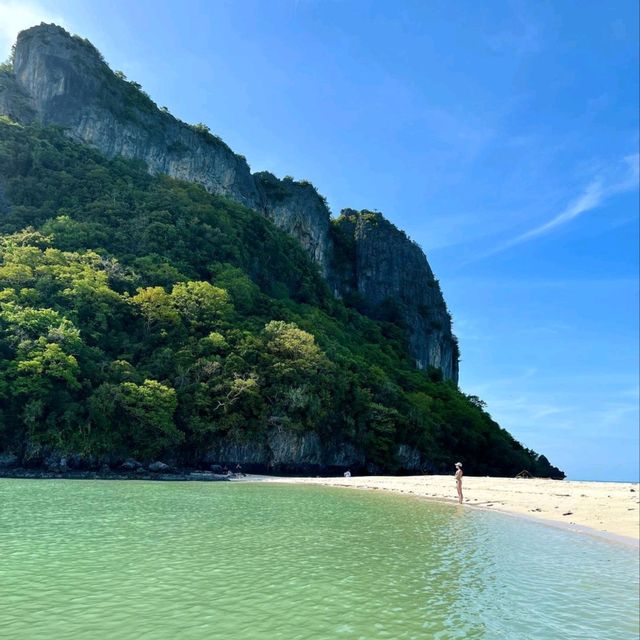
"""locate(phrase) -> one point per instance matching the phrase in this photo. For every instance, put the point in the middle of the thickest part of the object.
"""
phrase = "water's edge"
(607, 536)
(181, 475)
(189, 475)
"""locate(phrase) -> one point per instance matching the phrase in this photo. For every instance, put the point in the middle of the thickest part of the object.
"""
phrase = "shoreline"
(180, 475)
(602, 509)
(607, 510)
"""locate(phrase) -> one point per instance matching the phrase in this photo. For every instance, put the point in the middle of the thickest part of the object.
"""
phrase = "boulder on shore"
(130, 465)
(159, 467)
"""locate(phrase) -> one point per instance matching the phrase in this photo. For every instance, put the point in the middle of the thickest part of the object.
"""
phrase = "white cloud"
(595, 194)
(16, 15)
(589, 199)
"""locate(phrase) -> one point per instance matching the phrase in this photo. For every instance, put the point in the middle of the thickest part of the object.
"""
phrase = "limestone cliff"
(14, 102)
(70, 85)
(63, 80)
(285, 451)
(300, 210)
(390, 276)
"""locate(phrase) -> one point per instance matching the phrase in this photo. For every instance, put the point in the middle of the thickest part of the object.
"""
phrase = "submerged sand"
(606, 507)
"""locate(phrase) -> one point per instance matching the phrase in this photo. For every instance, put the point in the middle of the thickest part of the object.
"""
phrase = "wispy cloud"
(16, 15)
(594, 195)
(590, 198)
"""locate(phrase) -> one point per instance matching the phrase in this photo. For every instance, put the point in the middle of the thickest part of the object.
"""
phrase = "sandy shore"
(611, 508)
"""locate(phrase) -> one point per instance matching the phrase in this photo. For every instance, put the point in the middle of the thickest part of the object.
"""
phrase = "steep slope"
(61, 79)
(142, 316)
(394, 282)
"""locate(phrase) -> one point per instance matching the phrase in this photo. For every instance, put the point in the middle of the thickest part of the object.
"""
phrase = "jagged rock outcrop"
(301, 211)
(70, 85)
(287, 450)
(62, 79)
(393, 281)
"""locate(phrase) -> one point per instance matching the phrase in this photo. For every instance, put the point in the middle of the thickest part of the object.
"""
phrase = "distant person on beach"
(458, 478)
(347, 474)
(239, 470)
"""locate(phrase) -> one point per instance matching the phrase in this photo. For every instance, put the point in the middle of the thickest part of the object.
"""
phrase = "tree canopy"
(142, 316)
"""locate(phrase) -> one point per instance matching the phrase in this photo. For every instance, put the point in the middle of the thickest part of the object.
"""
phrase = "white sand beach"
(606, 507)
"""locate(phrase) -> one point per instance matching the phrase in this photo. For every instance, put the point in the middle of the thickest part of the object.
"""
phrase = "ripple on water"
(140, 560)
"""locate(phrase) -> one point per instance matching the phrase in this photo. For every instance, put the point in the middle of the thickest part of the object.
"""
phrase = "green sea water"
(137, 560)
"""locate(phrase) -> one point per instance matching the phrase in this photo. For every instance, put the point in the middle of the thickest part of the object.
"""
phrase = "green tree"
(200, 304)
(138, 419)
(156, 307)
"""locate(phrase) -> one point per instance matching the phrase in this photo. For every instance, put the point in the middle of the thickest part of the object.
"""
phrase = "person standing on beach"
(458, 478)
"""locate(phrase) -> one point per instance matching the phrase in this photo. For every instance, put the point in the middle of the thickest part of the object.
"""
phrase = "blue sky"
(501, 136)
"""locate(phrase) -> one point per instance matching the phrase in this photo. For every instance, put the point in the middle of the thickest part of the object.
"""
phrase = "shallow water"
(136, 560)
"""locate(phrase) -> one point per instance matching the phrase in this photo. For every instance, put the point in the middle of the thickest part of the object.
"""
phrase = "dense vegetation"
(141, 316)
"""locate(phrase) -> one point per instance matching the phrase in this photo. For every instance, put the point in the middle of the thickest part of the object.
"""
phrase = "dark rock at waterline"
(8, 460)
(139, 474)
(55, 463)
(130, 465)
(159, 467)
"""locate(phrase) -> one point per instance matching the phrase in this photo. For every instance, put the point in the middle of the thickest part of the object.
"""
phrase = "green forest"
(142, 317)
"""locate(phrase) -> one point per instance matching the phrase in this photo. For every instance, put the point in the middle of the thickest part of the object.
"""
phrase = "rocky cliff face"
(14, 102)
(62, 79)
(70, 85)
(301, 211)
(285, 451)
(393, 280)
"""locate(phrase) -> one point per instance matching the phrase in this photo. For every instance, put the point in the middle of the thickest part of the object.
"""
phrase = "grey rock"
(82, 461)
(159, 467)
(15, 102)
(287, 448)
(233, 452)
(297, 208)
(130, 465)
(341, 454)
(70, 85)
(55, 462)
(8, 460)
(409, 458)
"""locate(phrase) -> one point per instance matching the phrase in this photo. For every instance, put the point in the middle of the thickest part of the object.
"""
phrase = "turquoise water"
(136, 560)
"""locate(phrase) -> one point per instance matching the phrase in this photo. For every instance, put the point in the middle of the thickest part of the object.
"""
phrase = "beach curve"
(608, 508)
